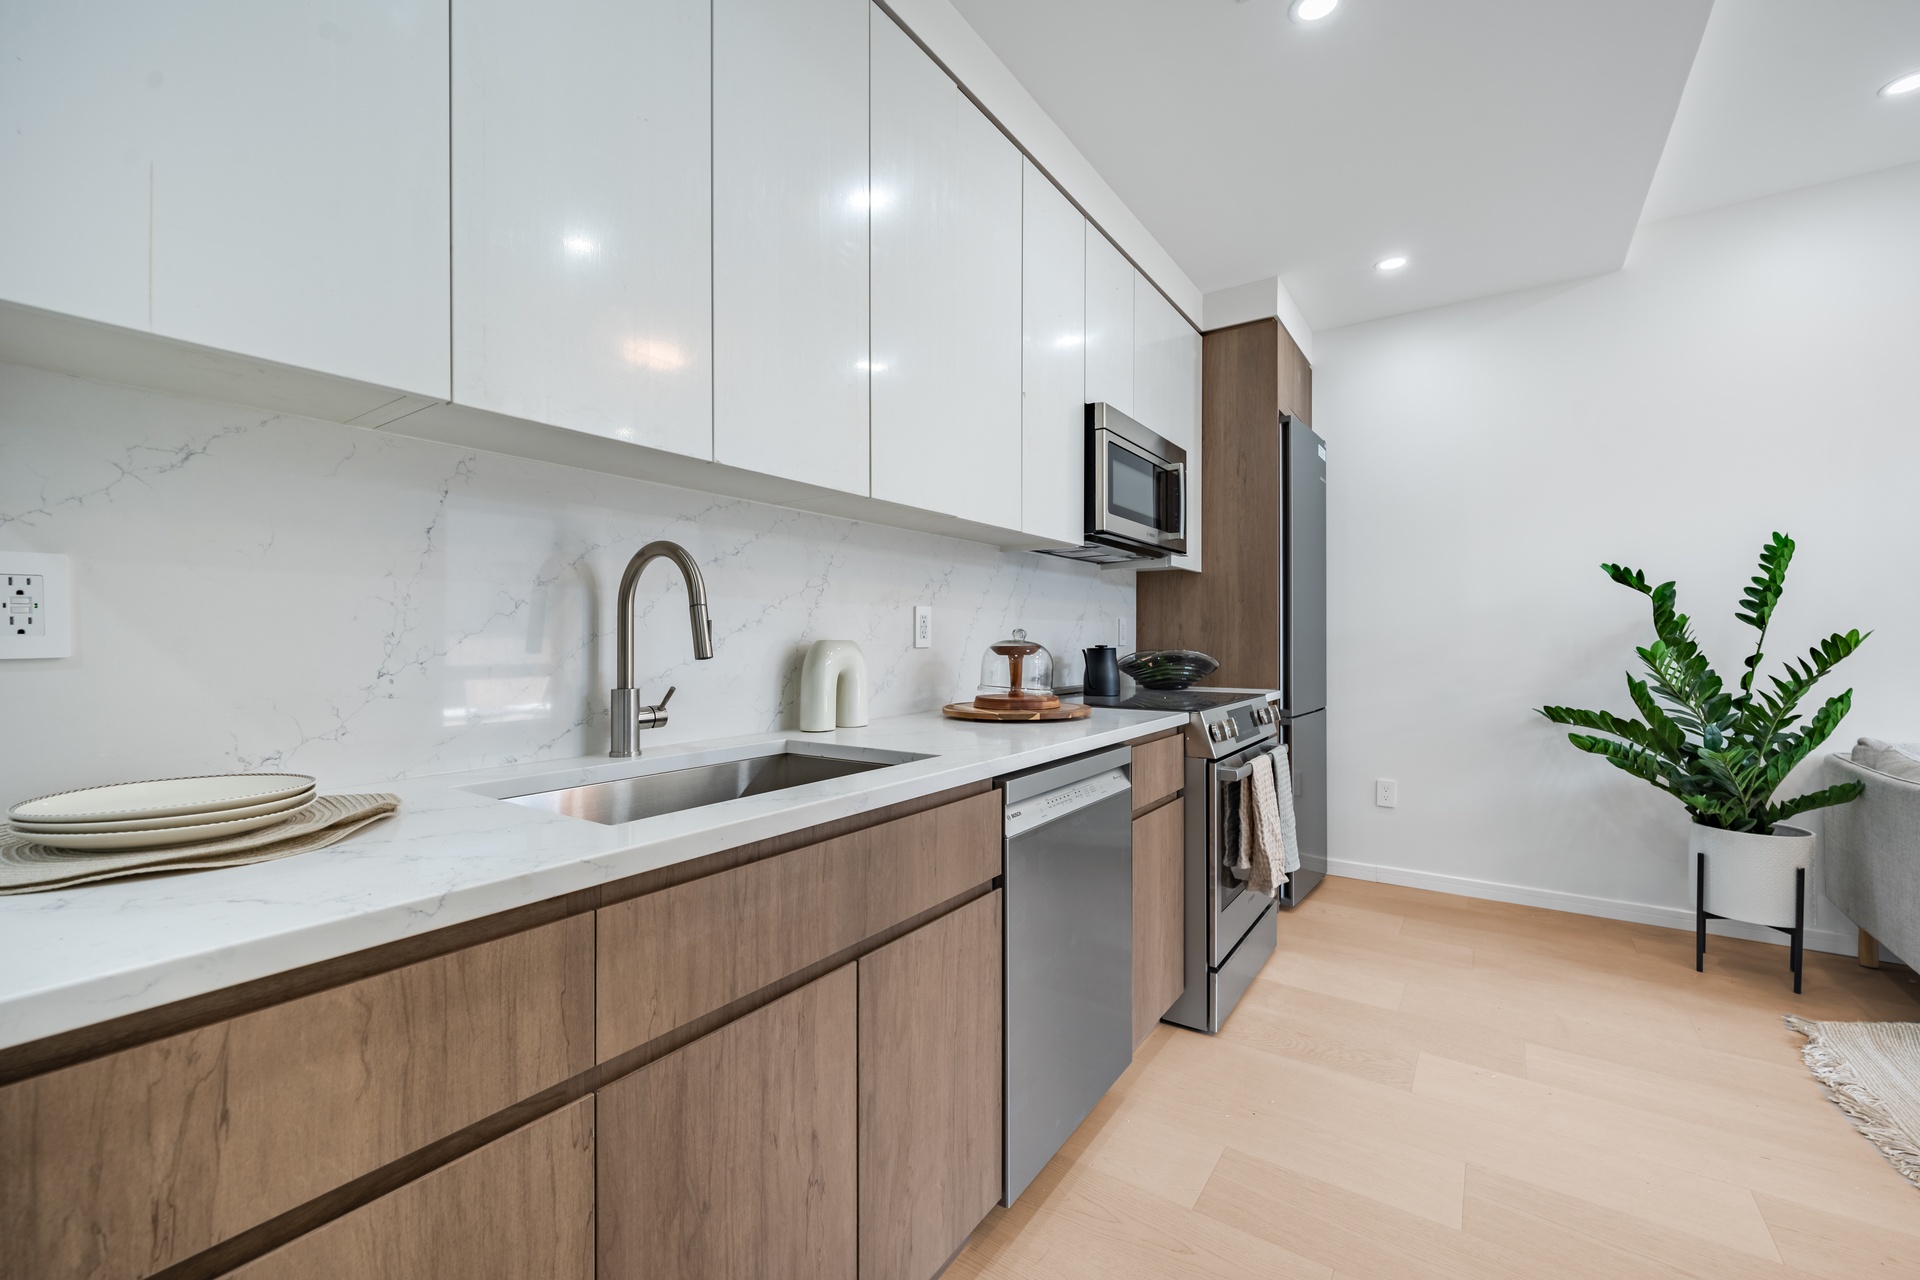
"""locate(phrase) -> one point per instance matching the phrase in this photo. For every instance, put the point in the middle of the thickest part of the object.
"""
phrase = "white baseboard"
(1838, 941)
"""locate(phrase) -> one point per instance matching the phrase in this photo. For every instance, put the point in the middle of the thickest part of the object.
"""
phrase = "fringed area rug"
(1871, 1070)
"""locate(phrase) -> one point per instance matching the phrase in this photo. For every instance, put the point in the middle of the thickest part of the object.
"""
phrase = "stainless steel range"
(1230, 931)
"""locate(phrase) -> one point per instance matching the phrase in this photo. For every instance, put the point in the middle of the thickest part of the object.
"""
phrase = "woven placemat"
(26, 867)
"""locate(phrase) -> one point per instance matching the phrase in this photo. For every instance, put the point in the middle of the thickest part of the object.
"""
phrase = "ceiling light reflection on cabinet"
(1905, 84)
(578, 245)
(867, 367)
(1390, 264)
(651, 353)
(870, 199)
(1312, 10)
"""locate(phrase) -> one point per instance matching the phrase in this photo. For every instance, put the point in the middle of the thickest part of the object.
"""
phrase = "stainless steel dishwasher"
(1069, 957)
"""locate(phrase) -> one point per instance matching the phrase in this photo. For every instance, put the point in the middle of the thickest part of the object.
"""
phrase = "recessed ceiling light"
(1312, 10)
(1390, 264)
(1905, 84)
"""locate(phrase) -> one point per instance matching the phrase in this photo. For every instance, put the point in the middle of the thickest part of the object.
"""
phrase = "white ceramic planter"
(1750, 877)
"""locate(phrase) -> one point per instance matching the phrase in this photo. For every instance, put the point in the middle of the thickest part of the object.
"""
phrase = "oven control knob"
(1218, 731)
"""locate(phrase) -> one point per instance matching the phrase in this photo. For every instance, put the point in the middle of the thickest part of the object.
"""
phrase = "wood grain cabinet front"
(735, 1157)
(519, 1208)
(930, 1093)
(1159, 914)
(1159, 770)
(672, 956)
(123, 1165)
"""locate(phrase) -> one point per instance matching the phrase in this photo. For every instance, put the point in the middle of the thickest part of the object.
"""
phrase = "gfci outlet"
(923, 626)
(1386, 793)
(38, 608)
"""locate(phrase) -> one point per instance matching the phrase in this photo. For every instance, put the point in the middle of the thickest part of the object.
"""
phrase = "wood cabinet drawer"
(735, 1157)
(666, 958)
(519, 1208)
(1159, 915)
(118, 1167)
(1159, 770)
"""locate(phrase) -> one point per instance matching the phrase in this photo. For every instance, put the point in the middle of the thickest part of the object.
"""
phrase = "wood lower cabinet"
(669, 957)
(1159, 914)
(845, 1122)
(118, 1167)
(735, 1157)
(930, 1093)
(519, 1208)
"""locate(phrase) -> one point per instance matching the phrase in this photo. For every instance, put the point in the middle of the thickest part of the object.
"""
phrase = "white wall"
(257, 590)
(1750, 369)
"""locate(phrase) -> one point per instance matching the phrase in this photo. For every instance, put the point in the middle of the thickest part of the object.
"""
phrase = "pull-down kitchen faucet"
(630, 715)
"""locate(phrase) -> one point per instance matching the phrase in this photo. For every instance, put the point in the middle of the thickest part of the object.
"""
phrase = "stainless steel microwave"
(1136, 486)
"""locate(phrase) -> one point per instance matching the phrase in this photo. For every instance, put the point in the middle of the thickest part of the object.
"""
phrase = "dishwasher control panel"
(1025, 815)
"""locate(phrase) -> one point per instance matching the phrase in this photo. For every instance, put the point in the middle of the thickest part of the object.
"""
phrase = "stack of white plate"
(166, 811)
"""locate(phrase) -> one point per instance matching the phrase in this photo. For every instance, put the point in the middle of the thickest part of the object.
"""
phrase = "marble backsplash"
(259, 591)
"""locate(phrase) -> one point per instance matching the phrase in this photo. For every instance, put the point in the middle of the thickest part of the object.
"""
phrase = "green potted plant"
(1724, 754)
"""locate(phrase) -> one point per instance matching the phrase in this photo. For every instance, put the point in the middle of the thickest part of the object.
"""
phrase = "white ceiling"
(1499, 144)
(1785, 94)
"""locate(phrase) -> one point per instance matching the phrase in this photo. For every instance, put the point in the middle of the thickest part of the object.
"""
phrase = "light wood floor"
(1423, 1085)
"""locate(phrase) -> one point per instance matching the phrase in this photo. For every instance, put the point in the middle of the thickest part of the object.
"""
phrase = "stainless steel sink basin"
(652, 794)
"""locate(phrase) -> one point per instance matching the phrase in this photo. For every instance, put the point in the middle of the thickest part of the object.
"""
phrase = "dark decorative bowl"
(1168, 668)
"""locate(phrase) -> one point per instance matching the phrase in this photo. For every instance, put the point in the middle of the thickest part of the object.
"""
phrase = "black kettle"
(1102, 679)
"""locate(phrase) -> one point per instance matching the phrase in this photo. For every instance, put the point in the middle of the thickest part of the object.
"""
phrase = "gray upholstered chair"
(1871, 862)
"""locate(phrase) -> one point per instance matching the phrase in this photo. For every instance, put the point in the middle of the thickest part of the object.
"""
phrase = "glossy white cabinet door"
(946, 293)
(790, 239)
(1170, 390)
(269, 179)
(582, 216)
(1161, 381)
(1053, 362)
(1109, 324)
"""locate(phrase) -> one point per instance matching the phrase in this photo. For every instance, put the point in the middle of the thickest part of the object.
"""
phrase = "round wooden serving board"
(1065, 711)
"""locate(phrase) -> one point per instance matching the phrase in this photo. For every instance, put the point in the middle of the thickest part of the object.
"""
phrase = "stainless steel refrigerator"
(1303, 630)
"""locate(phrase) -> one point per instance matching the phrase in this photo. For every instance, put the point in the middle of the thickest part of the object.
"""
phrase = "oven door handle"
(1240, 772)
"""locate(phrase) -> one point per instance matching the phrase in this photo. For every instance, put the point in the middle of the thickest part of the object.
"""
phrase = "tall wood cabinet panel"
(1110, 346)
(1232, 611)
(582, 213)
(930, 1100)
(946, 292)
(735, 1157)
(269, 179)
(790, 239)
(519, 1208)
(1053, 362)
(125, 1164)
(1159, 914)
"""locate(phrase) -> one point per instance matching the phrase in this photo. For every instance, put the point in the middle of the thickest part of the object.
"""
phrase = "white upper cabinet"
(790, 239)
(1166, 370)
(1109, 324)
(582, 215)
(946, 293)
(1166, 380)
(268, 179)
(1053, 363)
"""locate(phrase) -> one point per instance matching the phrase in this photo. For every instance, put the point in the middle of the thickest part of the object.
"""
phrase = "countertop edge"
(92, 999)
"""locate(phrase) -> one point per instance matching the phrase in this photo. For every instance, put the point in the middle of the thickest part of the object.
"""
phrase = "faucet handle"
(669, 698)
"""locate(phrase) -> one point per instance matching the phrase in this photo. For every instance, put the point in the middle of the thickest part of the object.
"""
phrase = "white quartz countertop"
(81, 956)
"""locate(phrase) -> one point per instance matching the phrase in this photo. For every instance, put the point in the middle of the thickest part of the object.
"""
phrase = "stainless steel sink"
(652, 794)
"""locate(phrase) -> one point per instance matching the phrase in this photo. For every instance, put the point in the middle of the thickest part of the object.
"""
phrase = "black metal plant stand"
(1796, 948)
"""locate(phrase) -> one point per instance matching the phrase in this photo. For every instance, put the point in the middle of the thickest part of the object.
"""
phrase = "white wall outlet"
(1386, 793)
(38, 608)
(923, 626)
